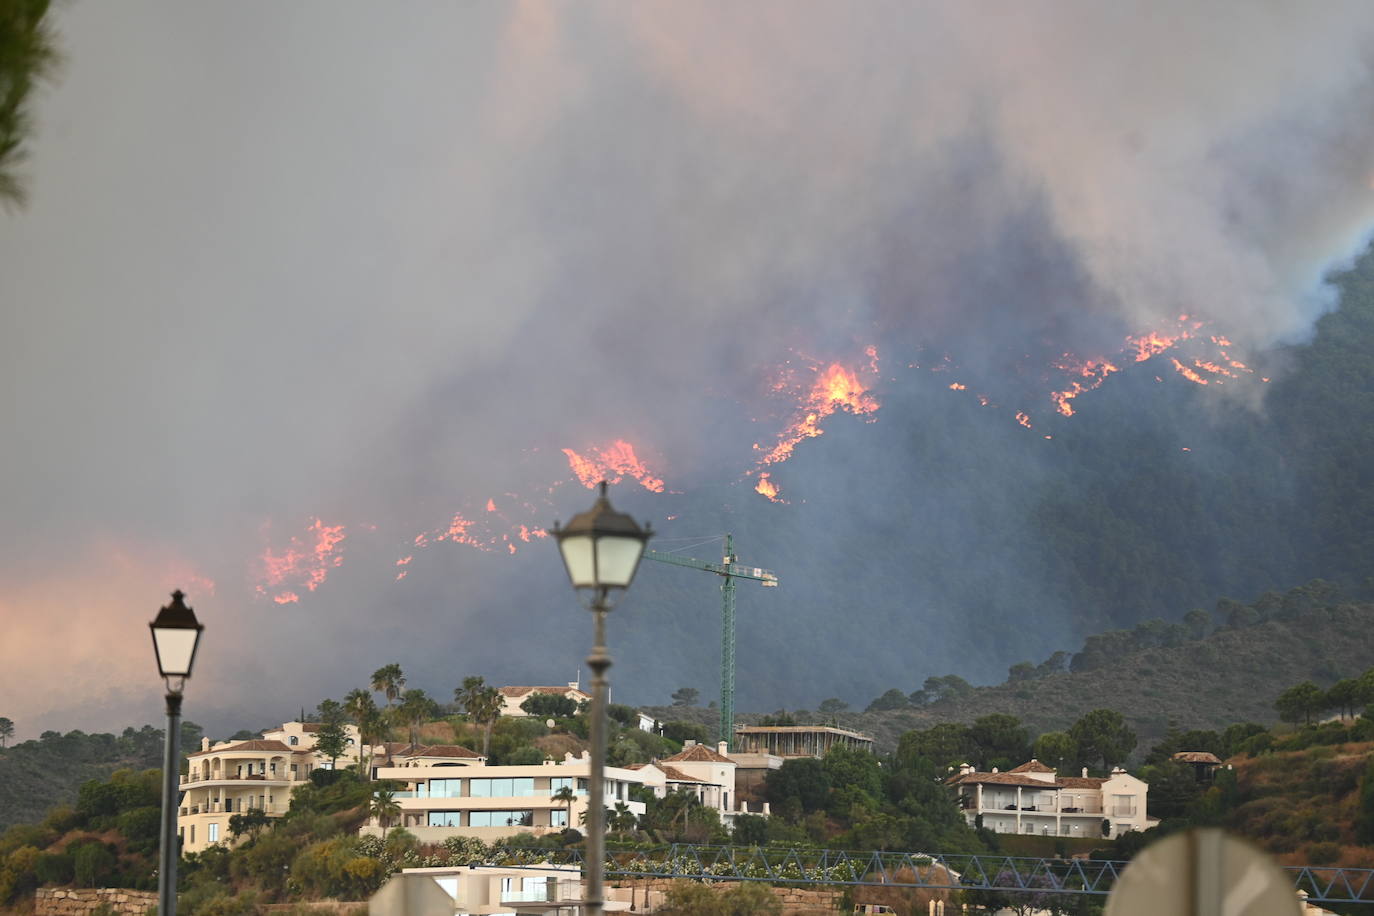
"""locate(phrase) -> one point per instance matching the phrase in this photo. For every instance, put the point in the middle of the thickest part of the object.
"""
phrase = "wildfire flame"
(835, 388)
(767, 488)
(1187, 373)
(305, 563)
(1092, 372)
(612, 464)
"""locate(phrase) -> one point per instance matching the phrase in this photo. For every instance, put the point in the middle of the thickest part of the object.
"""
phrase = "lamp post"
(176, 633)
(601, 549)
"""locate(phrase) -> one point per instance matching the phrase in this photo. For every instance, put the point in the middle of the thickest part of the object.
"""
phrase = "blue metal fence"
(802, 867)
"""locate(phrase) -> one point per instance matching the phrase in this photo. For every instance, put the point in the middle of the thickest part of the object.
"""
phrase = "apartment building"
(465, 797)
(1033, 798)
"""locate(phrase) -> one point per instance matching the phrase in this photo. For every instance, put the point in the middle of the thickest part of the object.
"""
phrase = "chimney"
(1085, 772)
(965, 769)
(766, 809)
(994, 769)
(721, 748)
(204, 744)
(690, 742)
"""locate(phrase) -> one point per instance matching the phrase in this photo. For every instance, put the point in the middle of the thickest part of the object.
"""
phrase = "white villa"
(1032, 798)
(233, 776)
(512, 697)
(708, 774)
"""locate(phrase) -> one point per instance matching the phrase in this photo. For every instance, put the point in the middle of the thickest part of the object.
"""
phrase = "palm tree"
(30, 58)
(482, 704)
(384, 807)
(6, 731)
(388, 681)
(623, 820)
(567, 796)
(415, 710)
(362, 709)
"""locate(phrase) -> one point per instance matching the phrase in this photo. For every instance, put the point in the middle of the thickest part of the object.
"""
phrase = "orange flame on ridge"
(302, 563)
(836, 388)
(612, 464)
(767, 488)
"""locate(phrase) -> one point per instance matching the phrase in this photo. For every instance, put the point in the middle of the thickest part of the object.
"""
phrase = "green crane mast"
(730, 569)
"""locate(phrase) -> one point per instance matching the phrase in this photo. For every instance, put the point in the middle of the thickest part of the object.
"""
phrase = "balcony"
(193, 778)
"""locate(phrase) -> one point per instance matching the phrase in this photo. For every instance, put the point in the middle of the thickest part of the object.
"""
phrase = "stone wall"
(648, 894)
(59, 901)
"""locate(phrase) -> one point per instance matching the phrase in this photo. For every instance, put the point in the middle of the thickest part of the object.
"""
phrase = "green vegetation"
(28, 56)
(1226, 675)
(50, 770)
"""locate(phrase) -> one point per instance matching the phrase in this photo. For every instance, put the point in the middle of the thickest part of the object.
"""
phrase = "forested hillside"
(1158, 676)
(37, 775)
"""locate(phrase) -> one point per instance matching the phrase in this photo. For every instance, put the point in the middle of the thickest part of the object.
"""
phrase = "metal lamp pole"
(601, 549)
(599, 661)
(168, 843)
(176, 633)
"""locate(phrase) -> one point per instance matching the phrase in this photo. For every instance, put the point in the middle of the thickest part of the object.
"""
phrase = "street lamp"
(601, 549)
(176, 633)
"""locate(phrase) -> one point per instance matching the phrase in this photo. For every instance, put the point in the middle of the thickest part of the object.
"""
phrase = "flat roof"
(797, 730)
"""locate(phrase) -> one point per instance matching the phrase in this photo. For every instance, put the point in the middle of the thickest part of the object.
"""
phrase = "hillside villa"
(1033, 798)
(232, 777)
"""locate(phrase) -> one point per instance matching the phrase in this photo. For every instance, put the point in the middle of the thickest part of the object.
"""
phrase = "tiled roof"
(1003, 779)
(698, 753)
(676, 775)
(246, 746)
(521, 691)
(1032, 766)
(1196, 757)
(1081, 782)
(310, 727)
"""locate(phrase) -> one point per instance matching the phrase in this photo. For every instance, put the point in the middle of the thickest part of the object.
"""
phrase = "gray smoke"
(370, 267)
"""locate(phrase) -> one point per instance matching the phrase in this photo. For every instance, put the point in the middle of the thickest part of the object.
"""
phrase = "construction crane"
(730, 569)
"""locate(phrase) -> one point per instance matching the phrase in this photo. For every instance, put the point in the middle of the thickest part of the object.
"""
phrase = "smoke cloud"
(333, 263)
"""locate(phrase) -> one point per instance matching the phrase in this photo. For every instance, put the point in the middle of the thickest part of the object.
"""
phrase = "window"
(193, 833)
(446, 788)
(351, 742)
(501, 819)
(560, 782)
(294, 741)
(445, 818)
(214, 833)
(522, 787)
(558, 817)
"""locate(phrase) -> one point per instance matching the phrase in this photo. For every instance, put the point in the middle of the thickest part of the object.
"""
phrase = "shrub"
(94, 863)
(1324, 853)
(54, 868)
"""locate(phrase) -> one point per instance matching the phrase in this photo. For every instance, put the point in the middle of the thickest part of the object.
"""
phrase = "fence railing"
(1011, 874)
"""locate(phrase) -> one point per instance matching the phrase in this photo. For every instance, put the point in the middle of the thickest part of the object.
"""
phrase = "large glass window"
(558, 817)
(502, 788)
(445, 818)
(560, 782)
(214, 833)
(501, 819)
(446, 788)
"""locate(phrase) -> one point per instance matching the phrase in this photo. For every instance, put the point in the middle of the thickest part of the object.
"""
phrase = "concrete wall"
(58, 901)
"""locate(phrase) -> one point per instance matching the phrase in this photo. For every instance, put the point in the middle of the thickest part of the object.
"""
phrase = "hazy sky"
(374, 265)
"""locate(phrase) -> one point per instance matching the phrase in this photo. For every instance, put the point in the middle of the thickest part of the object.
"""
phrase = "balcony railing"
(970, 803)
(235, 777)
